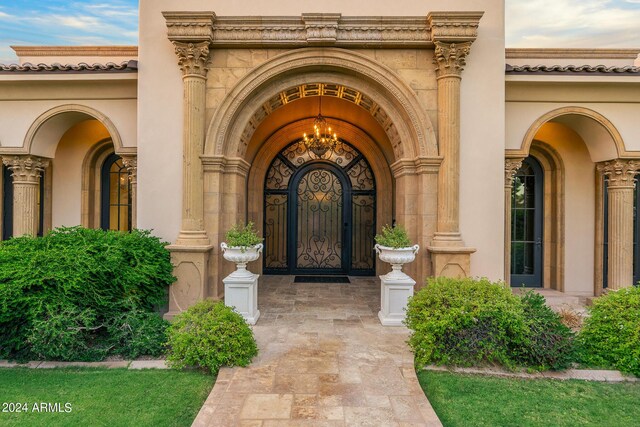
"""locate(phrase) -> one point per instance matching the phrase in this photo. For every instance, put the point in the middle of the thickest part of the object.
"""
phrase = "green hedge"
(610, 336)
(472, 322)
(210, 335)
(62, 295)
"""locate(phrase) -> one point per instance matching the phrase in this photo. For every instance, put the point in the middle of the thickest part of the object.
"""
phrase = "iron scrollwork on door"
(319, 212)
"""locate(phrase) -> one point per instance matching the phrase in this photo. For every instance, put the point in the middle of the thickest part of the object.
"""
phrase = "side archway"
(45, 132)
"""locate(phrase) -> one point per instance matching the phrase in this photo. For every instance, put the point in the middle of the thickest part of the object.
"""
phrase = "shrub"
(548, 343)
(243, 237)
(66, 333)
(393, 237)
(465, 322)
(93, 275)
(610, 336)
(137, 333)
(210, 335)
(473, 322)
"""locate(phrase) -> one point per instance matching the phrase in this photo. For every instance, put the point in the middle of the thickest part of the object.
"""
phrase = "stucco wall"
(482, 124)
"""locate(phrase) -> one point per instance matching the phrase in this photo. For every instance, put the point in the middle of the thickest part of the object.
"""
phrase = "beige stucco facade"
(418, 90)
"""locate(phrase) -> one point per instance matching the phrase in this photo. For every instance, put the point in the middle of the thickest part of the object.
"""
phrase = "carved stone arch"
(605, 123)
(56, 121)
(416, 135)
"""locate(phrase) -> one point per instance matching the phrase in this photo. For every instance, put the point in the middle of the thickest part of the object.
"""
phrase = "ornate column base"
(241, 292)
(450, 261)
(192, 238)
(191, 271)
(395, 293)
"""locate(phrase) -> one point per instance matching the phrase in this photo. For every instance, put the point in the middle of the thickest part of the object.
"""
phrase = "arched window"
(115, 191)
(526, 225)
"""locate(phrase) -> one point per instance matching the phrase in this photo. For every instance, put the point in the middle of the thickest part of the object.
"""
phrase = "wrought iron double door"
(323, 220)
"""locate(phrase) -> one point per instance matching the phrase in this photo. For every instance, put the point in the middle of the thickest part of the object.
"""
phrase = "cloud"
(572, 23)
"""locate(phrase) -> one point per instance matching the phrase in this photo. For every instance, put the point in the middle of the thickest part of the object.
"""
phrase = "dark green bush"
(465, 322)
(548, 343)
(66, 333)
(472, 322)
(210, 335)
(610, 336)
(79, 271)
(136, 333)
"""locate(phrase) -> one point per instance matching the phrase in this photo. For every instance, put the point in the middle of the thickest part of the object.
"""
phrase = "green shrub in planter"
(210, 335)
(136, 333)
(465, 322)
(548, 343)
(610, 336)
(243, 237)
(78, 271)
(393, 237)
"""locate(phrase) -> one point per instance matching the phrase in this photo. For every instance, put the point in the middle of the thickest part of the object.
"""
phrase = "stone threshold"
(601, 375)
(126, 364)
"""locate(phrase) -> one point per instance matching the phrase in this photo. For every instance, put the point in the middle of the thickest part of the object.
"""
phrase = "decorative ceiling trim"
(324, 29)
(324, 89)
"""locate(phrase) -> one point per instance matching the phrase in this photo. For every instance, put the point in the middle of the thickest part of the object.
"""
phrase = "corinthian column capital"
(450, 58)
(131, 164)
(621, 173)
(511, 167)
(192, 57)
(25, 169)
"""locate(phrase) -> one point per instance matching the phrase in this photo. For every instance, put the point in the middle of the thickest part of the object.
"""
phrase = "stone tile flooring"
(324, 360)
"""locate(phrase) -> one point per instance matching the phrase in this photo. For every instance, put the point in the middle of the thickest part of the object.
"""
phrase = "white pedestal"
(395, 292)
(241, 292)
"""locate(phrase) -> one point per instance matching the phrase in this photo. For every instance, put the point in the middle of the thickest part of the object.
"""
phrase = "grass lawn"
(469, 400)
(103, 397)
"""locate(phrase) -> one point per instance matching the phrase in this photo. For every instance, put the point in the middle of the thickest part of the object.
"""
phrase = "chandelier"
(321, 139)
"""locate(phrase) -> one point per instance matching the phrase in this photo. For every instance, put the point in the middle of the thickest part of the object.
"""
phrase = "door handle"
(539, 242)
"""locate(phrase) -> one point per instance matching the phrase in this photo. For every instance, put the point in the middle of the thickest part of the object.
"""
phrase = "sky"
(529, 23)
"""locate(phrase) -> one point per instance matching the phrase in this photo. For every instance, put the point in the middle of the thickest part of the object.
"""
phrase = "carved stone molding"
(450, 58)
(189, 27)
(511, 167)
(193, 57)
(454, 27)
(25, 169)
(322, 28)
(621, 173)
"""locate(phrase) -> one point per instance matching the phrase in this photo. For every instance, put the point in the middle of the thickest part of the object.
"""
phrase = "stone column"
(511, 166)
(450, 61)
(192, 59)
(621, 175)
(449, 254)
(191, 34)
(26, 172)
(131, 163)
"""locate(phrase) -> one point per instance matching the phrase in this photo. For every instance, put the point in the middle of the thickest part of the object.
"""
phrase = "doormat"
(321, 279)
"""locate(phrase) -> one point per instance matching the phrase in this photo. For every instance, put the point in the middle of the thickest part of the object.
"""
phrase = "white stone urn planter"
(396, 286)
(241, 286)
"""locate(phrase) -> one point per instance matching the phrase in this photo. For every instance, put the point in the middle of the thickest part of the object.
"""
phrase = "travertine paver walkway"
(324, 360)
